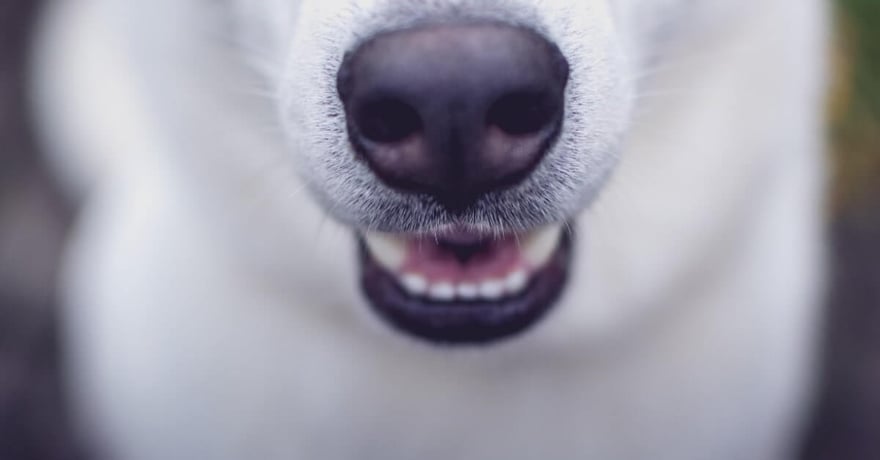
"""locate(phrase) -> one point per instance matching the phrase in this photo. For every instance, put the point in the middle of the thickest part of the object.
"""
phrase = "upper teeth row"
(490, 289)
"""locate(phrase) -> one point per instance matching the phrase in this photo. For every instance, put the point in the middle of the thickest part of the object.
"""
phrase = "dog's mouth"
(463, 286)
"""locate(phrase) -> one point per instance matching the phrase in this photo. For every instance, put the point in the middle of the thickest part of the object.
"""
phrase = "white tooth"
(516, 281)
(442, 291)
(492, 289)
(414, 284)
(388, 250)
(468, 291)
(539, 246)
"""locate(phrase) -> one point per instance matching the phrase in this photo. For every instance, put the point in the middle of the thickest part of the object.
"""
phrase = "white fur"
(213, 302)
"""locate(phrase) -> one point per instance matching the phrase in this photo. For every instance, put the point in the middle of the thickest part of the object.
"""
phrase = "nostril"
(524, 112)
(388, 120)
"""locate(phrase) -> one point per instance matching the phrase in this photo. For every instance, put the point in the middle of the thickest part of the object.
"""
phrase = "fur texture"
(213, 302)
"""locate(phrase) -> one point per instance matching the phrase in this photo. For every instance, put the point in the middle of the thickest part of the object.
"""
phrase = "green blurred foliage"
(855, 102)
(860, 21)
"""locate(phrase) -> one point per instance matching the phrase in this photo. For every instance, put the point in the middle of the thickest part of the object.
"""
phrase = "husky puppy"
(445, 229)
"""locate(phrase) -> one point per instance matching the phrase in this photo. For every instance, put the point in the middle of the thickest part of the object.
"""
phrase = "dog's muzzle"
(453, 112)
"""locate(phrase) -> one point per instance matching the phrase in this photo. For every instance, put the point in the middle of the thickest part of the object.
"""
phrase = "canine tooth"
(414, 284)
(386, 249)
(492, 289)
(442, 291)
(539, 246)
(516, 281)
(468, 291)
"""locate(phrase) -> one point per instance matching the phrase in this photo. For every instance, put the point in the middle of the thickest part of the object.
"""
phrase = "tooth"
(442, 291)
(539, 246)
(492, 289)
(468, 291)
(516, 281)
(414, 284)
(387, 250)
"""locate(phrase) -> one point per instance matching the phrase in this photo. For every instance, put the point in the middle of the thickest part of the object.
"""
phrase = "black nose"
(454, 111)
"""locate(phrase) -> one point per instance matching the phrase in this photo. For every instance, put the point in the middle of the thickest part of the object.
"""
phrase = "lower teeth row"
(493, 289)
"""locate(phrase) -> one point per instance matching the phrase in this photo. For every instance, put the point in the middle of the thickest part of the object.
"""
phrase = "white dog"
(445, 229)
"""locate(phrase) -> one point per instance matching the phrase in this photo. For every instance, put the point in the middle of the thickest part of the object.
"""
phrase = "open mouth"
(464, 286)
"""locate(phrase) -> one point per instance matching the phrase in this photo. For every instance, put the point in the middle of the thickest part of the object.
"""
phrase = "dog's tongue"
(461, 258)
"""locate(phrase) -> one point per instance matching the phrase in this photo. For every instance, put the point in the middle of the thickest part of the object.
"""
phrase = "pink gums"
(425, 257)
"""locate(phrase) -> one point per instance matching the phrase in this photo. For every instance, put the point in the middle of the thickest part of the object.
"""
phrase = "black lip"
(465, 322)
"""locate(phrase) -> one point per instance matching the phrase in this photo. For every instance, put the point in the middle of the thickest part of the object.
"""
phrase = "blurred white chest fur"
(213, 306)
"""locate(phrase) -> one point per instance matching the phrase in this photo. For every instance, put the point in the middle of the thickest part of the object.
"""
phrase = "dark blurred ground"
(33, 219)
(847, 424)
(32, 222)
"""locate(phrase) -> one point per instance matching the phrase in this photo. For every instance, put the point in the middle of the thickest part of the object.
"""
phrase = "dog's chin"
(462, 286)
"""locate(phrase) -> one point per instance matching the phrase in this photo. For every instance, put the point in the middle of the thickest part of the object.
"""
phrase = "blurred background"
(34, 218)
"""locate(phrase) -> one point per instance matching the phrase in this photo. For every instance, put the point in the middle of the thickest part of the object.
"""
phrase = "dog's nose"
(454, 110)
